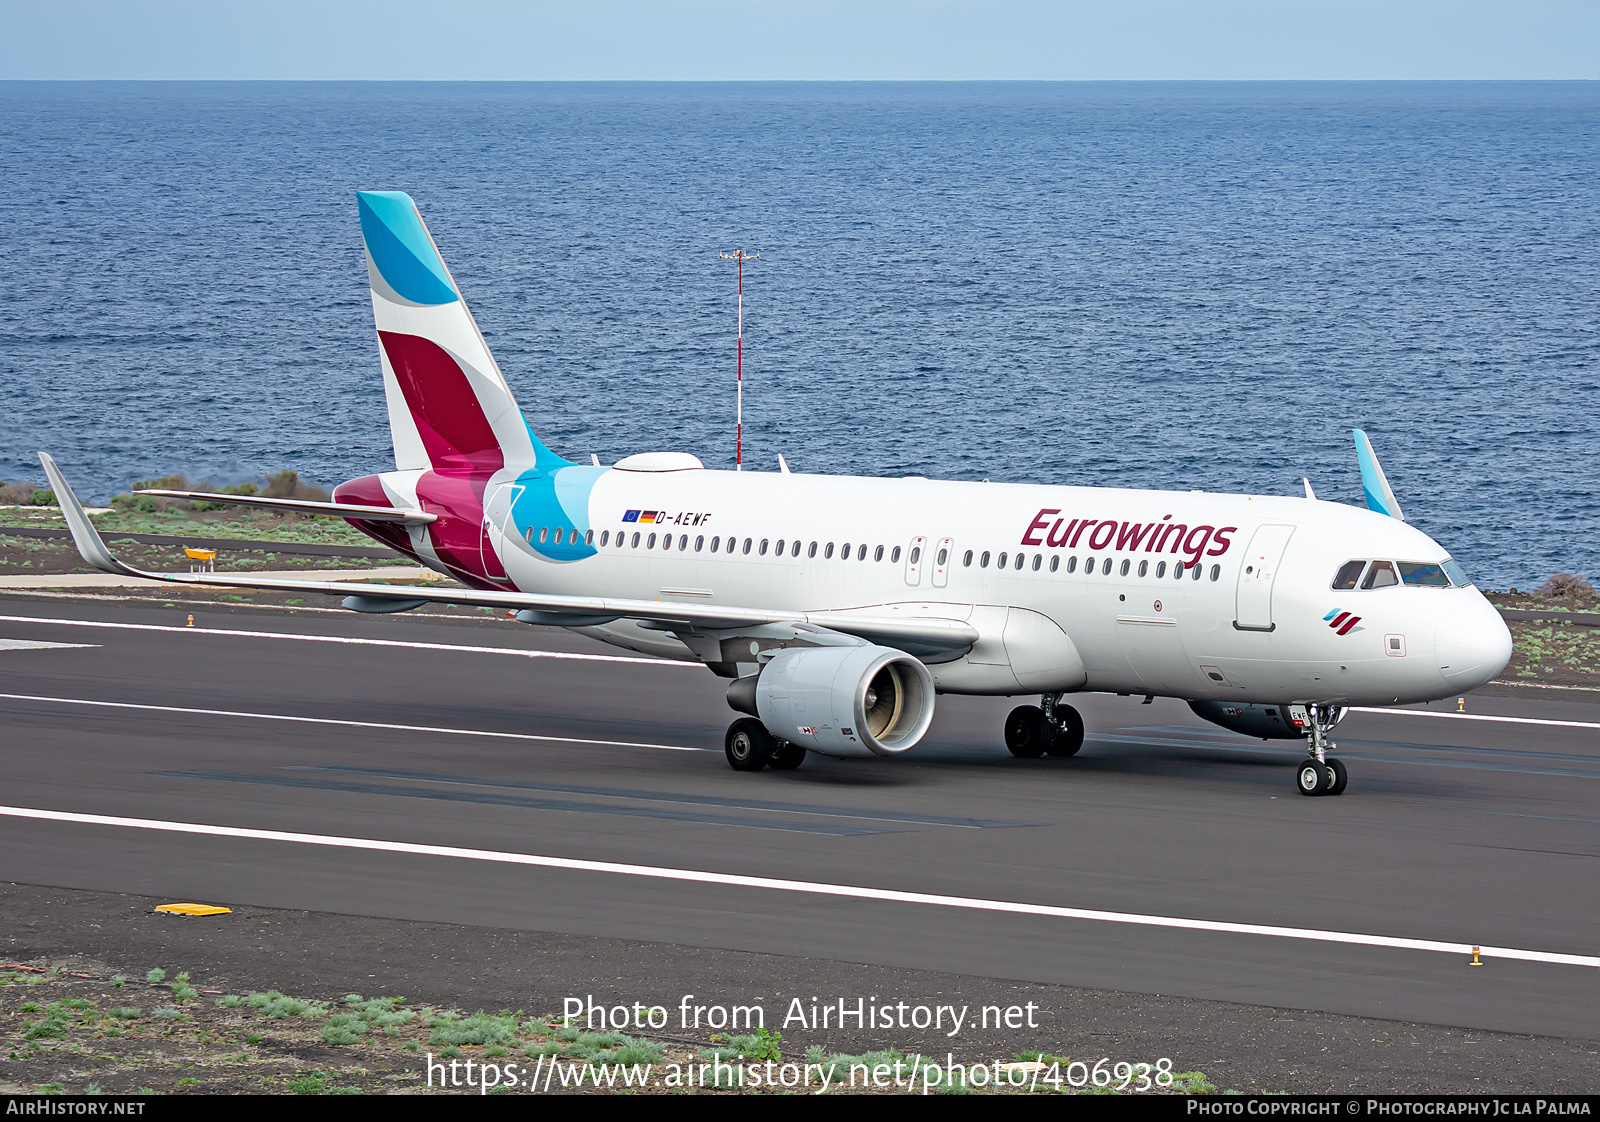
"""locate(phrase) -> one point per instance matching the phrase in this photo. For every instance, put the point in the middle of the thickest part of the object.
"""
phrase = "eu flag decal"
(631, 516)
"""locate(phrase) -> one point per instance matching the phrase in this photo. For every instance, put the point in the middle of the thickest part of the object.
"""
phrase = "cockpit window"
(1348, 574)
(1423, 576)
(1381, 575)
(1457, 575)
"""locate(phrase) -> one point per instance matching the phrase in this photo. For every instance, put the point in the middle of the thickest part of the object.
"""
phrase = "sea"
(1167, 285)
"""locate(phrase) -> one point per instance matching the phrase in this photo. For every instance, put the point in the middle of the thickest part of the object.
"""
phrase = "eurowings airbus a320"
(840, 606)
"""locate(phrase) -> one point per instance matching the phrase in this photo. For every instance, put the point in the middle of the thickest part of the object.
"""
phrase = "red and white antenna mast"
(741, 257)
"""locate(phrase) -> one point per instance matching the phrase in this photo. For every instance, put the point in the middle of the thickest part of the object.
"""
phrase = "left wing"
(939, 638)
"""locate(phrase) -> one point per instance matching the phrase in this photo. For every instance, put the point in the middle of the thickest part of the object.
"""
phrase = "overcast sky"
(800, 39)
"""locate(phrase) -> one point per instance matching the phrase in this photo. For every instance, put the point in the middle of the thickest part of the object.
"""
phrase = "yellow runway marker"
(193, 909)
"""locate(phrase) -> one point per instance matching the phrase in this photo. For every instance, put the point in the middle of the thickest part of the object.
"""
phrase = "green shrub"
(480, 1028)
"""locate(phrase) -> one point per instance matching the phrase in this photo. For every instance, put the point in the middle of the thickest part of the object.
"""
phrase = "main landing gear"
(750, 747)
(1049, 727)
(1320, 774)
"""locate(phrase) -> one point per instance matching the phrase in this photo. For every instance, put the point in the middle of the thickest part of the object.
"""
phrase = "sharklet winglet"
(90, 545)
(1380, 496)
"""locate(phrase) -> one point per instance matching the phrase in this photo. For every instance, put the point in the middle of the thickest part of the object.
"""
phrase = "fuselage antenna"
(741, 257)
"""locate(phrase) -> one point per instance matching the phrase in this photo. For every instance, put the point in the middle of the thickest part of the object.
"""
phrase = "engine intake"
(841, 701)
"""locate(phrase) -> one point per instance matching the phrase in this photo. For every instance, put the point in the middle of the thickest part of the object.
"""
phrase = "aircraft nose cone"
(1472, 644)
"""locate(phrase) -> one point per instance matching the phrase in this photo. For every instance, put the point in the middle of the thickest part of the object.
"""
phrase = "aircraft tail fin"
(449, 405)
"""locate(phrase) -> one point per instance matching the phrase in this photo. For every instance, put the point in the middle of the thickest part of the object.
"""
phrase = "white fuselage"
(1261, 623)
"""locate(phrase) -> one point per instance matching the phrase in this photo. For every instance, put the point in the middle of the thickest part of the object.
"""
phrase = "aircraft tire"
(1338, 777)
(1311, 778)
(1027, 732)
(786, 756)
(748, 745)
(1068, 738)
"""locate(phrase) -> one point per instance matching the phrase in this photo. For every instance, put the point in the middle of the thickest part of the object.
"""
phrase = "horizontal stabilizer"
(303, 506)
(1380, 496)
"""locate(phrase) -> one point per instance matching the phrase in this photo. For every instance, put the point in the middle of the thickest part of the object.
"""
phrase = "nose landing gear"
(1320, 774)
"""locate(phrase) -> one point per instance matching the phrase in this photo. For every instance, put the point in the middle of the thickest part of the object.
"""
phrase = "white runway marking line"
(813, 888)
(35, 645)
(346, 724)
(458, 649)
(1478, 717)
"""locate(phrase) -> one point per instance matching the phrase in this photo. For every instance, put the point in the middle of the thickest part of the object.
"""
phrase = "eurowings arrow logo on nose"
(1343, 622)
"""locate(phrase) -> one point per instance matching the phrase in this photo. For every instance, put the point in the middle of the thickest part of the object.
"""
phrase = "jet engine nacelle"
(841, 701)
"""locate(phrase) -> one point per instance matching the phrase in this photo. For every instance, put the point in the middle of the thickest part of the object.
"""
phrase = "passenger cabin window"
(1105, 567)
(666, 541)
(588, 538)
(861, 553)
(1144, 567)
(605, 536)
(1072, 563)
(827, 551)
(1126, 565)
(894, 554)
(1177, 570)
(635, 540)
(916, 554)
(877, 555)
(683, 541)
(1216, 572)
(764, 544)
(650, 542)
(716, 543)
(777, 550)
(1088, 566)
(1055, 562)
(1000, 562)
(794, 550)
(944, 555)
(747, 544)
(1348, 574)
(1423, 576)
(700, 543)
(812, 552)
(1381, 575)
(544, 534)
(983, 560)
(1161, 569)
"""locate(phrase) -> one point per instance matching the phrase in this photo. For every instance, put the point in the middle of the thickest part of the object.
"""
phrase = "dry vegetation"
(92, 1032)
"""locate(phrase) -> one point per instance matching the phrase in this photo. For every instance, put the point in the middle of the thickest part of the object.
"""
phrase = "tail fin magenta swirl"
(450, 408)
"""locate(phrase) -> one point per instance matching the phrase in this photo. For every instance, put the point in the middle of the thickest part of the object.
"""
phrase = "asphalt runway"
(494, 742)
